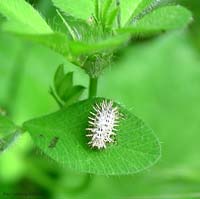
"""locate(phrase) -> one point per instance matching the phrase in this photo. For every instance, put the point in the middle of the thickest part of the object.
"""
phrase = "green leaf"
(73, 95)
(71, 49)
(62, 136)
(58, 42)
(109, 44)
(24, 21)
(132, 8)
(82, 9)
(112, 16)
(6, 126)
(59, 75)
(22, 18)
(67, 26)
(161, 19)
(8, 133)
(140, 6)
(65, 85)
(106, 8)
(127, 8)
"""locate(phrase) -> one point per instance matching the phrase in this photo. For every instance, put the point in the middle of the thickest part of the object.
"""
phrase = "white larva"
(102, 124)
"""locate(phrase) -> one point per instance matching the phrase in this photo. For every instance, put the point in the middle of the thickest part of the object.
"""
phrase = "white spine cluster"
(102, 124)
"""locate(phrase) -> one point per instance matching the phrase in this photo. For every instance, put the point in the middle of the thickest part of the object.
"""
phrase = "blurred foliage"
(193, 5)
(159, 80)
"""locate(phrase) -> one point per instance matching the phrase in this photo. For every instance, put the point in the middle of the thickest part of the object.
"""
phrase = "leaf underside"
(69, 49)
(161, 19)
(62, 136)
(131, 8)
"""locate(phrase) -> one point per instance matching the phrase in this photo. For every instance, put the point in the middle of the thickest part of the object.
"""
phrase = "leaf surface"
(161, 19)
(71, 49)
(8, 133)
(6, 126)
(81, 9)
(132, 8)
(62, 136)
(22, 18)
(74, 94)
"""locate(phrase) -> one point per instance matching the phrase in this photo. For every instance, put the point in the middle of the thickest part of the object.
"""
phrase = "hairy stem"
(93, 87)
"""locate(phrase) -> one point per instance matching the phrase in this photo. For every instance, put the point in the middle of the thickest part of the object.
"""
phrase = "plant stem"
(93, 87)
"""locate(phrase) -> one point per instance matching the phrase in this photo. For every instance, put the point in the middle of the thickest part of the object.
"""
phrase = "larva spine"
(103, 124)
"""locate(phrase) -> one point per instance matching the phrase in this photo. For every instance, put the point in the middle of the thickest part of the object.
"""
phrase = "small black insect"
(53, 142)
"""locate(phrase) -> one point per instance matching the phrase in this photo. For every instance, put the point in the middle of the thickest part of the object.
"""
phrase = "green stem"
(93, 87)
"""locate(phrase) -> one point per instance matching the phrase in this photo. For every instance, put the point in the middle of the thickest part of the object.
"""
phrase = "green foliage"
(65, 84)
(108, 15)
(59, 75)
(127, 9)
(159, 78)
(166, 77)
(111, 17)
(106, 8)
(6, 126)
(107, 45)
(63, 88)
(72, 50)
(195, 31)
(99, 34)
(158, 87)
(140, 6)
(91, 46)
(22, 18)
(62, 136)
(73, 94)
(82, 9)
(161, 19)
(8, 133)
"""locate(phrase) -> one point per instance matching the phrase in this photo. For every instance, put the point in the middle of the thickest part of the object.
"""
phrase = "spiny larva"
(102, 124)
